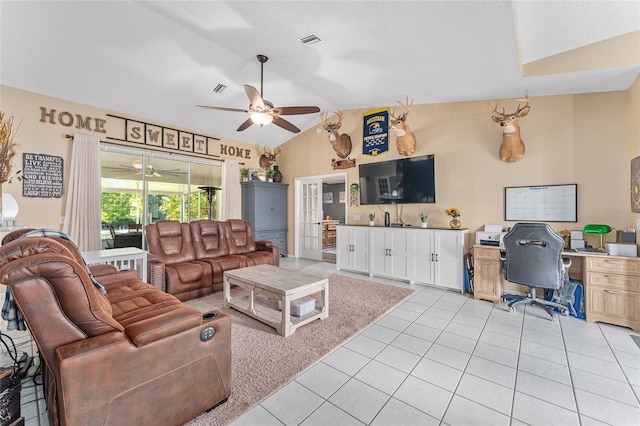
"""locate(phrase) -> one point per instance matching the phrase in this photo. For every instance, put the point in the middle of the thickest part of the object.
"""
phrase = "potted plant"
(244, 172)
(455, 214)
(423, 220)
(270, 174)
(371, 217)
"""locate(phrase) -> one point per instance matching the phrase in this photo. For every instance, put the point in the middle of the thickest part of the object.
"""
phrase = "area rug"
(263, 361)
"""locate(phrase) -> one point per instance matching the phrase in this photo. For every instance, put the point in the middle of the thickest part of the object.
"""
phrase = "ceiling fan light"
(261, 118)
(137, 164)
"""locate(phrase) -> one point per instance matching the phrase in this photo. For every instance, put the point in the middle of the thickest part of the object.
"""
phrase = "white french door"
(310, 224)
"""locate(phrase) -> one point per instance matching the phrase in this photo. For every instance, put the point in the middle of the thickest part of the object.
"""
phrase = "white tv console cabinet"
(432, 256)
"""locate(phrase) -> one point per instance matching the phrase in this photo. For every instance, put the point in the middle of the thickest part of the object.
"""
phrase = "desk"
(121, 258)
(611, 283)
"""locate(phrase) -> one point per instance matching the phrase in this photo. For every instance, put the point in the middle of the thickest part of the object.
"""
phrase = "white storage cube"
(300, 307)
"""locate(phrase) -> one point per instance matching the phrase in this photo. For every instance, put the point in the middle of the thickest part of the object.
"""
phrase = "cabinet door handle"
(436, 257)
(432, 257)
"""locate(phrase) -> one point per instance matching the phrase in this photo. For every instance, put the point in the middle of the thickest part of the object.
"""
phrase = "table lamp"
(601, 230)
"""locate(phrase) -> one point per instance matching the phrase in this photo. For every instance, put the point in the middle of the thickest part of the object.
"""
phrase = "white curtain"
(82, 218)
(231, 190)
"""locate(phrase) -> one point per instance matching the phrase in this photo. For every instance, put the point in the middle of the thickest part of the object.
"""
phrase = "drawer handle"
(612, 291)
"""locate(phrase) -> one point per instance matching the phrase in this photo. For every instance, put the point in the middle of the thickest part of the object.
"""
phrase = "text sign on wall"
(375, 136)
(43, 175)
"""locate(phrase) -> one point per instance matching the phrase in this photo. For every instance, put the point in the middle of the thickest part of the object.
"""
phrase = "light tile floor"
(441, 358)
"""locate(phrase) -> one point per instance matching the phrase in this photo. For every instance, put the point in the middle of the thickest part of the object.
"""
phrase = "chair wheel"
(512, 309)
(554, 318)
(565, 312)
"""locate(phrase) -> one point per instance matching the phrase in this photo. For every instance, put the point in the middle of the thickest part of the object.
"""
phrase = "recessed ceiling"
(157, 60)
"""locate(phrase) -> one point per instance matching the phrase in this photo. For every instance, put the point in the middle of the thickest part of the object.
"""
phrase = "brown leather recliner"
(211, 245)
(103, 273)
(170, 243)
(241, 242)
(132, 356)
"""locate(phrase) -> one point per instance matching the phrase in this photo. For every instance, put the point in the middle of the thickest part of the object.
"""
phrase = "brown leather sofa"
(134, 356)
(196, 254)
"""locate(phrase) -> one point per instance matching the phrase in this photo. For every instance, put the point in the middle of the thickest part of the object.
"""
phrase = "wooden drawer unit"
(612, 289)
(487, 281)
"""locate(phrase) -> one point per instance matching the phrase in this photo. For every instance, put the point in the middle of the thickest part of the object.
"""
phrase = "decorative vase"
(423, 224)
(277, 177)
(455, 223)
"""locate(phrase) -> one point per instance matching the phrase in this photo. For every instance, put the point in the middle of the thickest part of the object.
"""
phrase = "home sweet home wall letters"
(68, 119)
(166, 137)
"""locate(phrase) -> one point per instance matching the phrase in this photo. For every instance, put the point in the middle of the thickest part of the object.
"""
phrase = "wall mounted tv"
(403, 181)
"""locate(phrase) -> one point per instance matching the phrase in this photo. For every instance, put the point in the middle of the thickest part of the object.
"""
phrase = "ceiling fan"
(150, 171)
(261, 111)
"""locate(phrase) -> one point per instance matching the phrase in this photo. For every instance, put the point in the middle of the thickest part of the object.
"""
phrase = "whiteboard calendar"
(545, 203)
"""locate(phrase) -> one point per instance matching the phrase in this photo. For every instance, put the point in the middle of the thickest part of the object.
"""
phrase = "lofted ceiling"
(157, 60)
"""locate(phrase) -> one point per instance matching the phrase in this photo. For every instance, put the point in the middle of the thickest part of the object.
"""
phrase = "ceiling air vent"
(310, 39)
(219, 88)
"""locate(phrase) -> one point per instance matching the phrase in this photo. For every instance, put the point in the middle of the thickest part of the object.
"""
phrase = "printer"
(492, 235)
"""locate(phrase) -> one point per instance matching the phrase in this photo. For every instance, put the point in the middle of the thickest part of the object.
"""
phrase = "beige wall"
(633, 120)
(569, 139)
(585, 139)
(34, 136)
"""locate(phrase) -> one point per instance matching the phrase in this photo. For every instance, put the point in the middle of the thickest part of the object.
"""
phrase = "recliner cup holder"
(209, 316)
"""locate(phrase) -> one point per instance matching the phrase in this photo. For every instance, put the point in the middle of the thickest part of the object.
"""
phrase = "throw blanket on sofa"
(10, 311)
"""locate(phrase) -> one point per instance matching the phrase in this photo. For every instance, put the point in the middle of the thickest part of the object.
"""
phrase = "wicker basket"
(156, 275)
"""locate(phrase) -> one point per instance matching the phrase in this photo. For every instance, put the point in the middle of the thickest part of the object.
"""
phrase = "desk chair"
(533, 257)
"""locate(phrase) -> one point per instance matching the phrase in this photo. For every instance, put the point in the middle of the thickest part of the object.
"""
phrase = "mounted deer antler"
(405, 141)
(341, 143)
(268, 157)
(512, 148)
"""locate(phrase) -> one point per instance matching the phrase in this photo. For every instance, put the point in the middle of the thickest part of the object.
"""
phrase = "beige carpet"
(263, 361)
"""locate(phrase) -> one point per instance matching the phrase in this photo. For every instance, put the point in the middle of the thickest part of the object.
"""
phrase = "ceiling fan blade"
(223, 108)
(278, 121)
(254, 96)
(294, 110)
(247, 123)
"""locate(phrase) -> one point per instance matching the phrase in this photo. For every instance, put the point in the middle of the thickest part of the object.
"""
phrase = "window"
(140, 188)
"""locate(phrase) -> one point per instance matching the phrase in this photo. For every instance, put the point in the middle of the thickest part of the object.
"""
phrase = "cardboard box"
(622, 249)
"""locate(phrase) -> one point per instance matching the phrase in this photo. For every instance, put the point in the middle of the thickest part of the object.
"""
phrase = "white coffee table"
(268, 284)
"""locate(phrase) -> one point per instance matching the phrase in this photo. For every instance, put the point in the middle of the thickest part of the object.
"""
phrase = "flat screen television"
(402, 181)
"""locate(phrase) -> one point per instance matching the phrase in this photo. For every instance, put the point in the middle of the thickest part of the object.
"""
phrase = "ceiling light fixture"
(261, 118)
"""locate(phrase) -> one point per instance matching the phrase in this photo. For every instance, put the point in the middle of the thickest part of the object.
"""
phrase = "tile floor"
(441, 358)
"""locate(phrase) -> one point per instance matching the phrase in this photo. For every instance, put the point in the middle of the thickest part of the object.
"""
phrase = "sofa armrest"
(158, 327)
(264, 245)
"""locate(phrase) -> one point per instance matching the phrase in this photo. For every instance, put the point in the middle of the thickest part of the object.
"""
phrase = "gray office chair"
(533, 257)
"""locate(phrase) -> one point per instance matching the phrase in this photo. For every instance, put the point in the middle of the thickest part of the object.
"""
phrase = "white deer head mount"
(512, 148)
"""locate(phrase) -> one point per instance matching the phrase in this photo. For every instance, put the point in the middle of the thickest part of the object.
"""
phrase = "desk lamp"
(601, 230)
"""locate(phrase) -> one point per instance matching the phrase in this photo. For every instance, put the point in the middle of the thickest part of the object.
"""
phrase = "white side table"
(121, 258)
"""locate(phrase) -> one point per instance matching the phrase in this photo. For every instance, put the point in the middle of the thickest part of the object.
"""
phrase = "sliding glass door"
(140, 188)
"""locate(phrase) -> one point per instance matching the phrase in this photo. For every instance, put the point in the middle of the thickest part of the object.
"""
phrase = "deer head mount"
(268, 157)
(341, 143)
(405, 140)
(512, 148)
